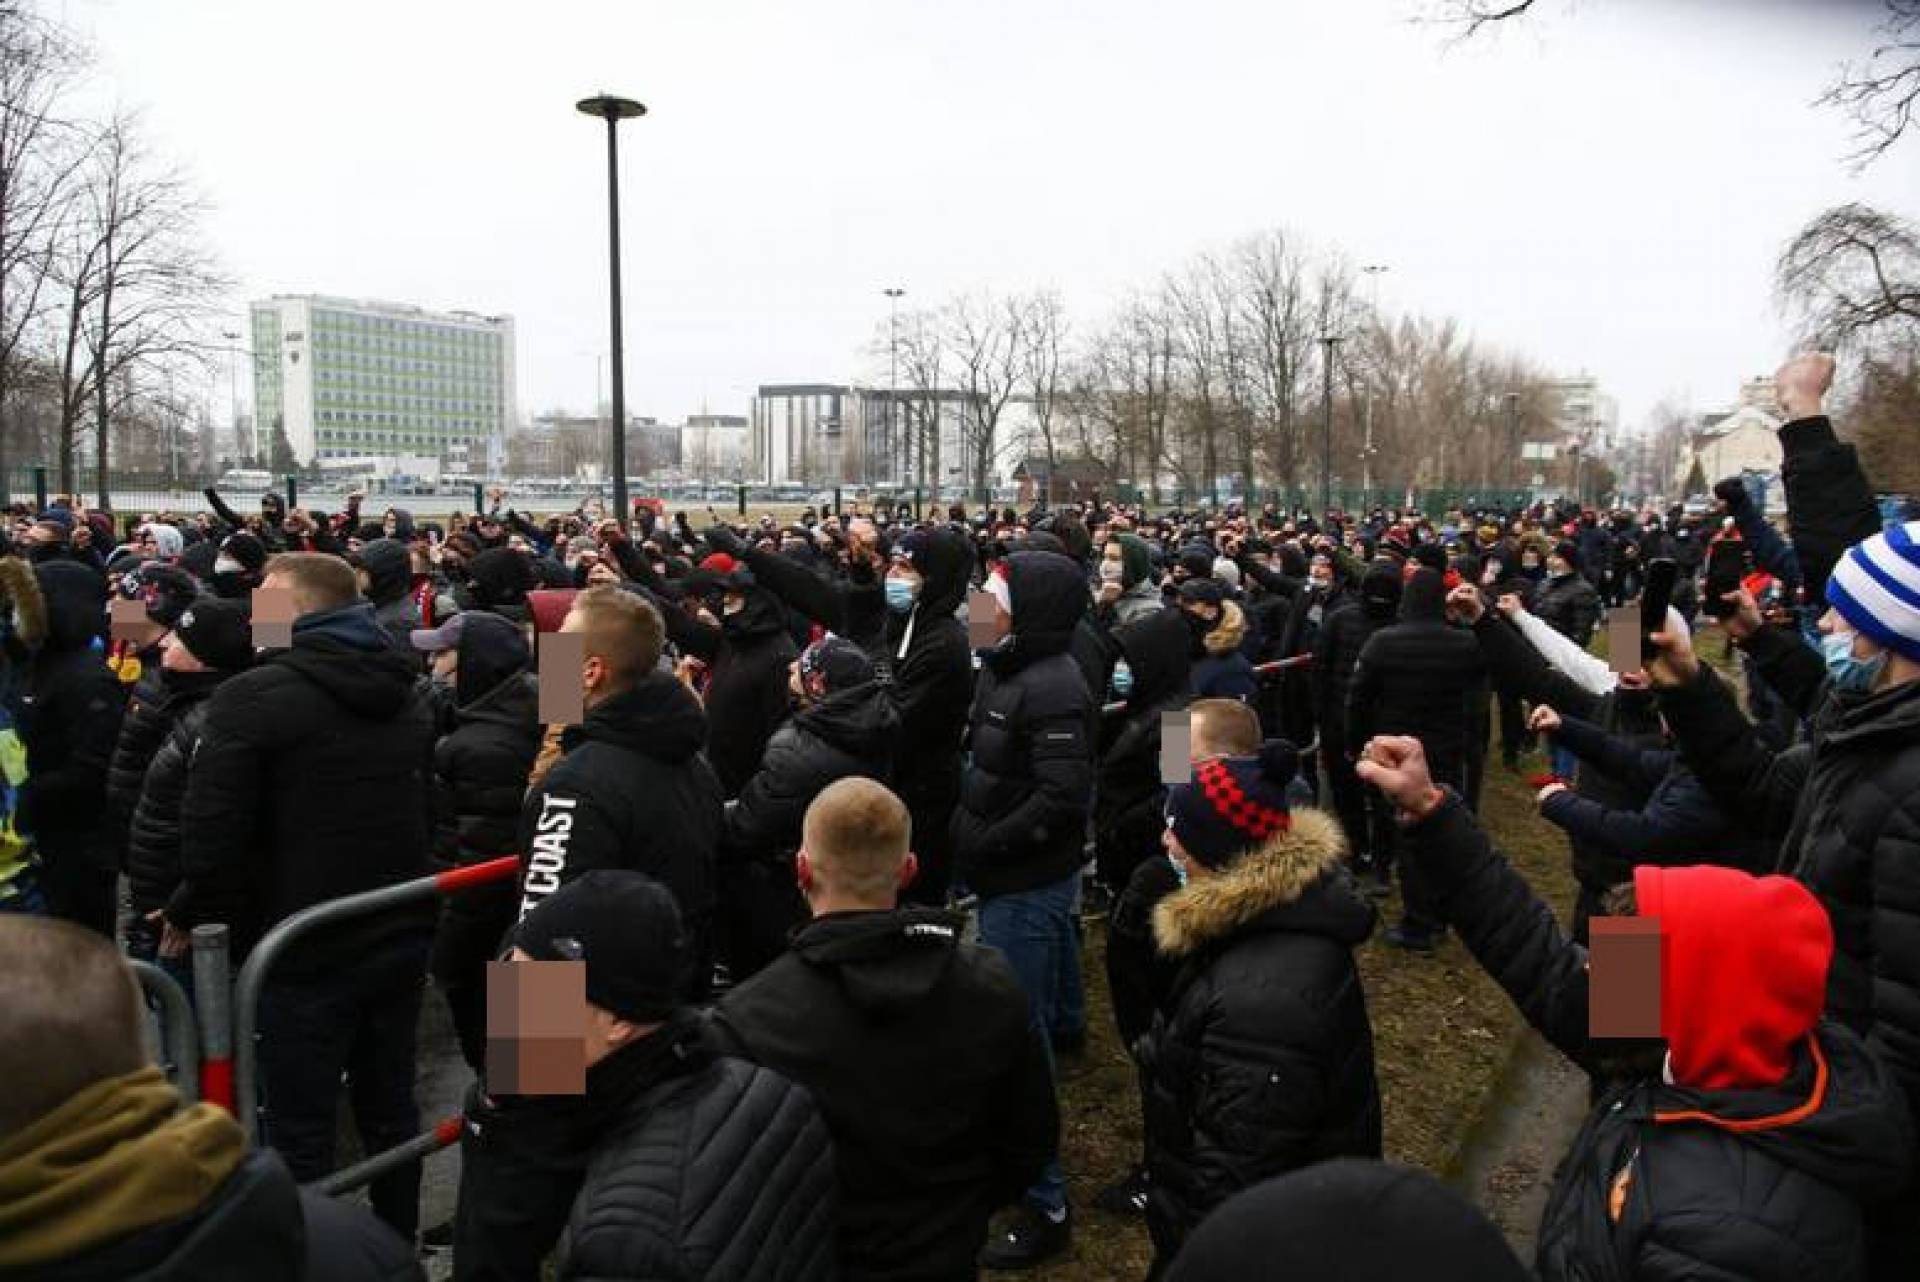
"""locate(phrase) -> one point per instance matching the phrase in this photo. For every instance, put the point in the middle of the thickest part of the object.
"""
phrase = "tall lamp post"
(1326, 425)
(613, 110)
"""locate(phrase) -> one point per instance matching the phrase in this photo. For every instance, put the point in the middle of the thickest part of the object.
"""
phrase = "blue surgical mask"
(900, 595)
(1844, 670)
(1122, 679)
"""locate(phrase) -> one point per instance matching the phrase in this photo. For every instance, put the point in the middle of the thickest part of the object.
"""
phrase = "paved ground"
(1507, 1165)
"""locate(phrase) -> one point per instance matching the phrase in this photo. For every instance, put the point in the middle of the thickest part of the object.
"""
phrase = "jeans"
(359, 1017)
(1564, 763)
(1038, 933)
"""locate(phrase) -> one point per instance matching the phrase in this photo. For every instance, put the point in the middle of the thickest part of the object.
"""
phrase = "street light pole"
(1326, 426)
(613, 110)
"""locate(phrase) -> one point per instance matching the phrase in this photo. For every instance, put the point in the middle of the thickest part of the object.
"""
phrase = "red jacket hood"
(1743, 971)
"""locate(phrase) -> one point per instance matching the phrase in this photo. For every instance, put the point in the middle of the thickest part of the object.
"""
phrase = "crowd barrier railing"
(213, 999)
(178, 1036)
(274, 945)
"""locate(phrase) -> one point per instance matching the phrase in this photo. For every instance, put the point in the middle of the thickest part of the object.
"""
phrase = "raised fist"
(1802, 383)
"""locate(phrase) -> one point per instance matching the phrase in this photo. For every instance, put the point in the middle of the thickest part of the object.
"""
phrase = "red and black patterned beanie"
(1233, 804)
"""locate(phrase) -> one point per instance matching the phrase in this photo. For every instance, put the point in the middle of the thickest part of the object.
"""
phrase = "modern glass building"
(347, 379)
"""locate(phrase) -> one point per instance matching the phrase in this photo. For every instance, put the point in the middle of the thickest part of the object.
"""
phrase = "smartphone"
(1662, 574)
(1726, 566)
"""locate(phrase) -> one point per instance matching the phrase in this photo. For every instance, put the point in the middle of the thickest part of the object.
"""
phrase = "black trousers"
(1513, 726)
(359, 1017)
(1349, 795)
(78, 892)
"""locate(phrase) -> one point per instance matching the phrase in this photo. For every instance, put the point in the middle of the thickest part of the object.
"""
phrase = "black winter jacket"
(312, 780)
(919, 1050)
(1263, 1060)
(928, 669)
(746, 696)
(1021, 821)
(143, 729)
(715, 1171)
(1129, 798)
(847, 735)
(1422, 677)
(153, 838)
(1680, 823)
(1570, 606)
(1336, 653)
(69, 722)
(1744, 1184)
(633, 792)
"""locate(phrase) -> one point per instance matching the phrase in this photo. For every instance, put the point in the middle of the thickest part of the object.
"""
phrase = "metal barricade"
(213, 998)
(177, 1033)
(1264, 671)
(274, 944)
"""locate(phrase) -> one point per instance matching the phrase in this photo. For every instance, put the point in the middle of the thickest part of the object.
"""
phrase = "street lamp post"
(613, 110)
(1326, 425)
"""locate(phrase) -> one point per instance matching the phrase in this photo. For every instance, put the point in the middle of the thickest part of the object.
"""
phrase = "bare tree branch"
(1882, 92)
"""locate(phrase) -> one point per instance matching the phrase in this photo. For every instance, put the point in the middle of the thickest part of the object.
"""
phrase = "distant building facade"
(827, 434)
(345, 379)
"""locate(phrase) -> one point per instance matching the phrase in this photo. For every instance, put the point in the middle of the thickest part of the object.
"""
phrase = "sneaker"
(1126, 1195)
(1415, 939)
(1030, 1238)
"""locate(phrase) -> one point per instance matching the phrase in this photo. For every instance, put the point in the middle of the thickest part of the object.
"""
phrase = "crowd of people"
(840, 800)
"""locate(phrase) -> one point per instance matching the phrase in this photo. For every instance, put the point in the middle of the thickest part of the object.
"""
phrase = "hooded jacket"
(630, 791)
(1139, 596)
(390, 588)
(746, 695)
(1223, 670)
(312, 780)
(1262, 1061)
(1343, 635)
(918, 1049)
(927, 668)
(1755, 1161)
(70, 713)
(1128, 796)
(1569, 605)
(154, 797)
(1021, 820)
(1422, 677)
(849, 734)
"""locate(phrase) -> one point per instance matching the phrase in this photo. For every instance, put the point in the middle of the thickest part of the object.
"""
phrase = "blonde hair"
(320, 581)
(622, 630)
(1223, 728)
(857, 834)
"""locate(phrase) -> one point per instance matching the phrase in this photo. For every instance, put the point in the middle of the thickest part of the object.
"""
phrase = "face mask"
(901, 594)
(1122, 679)
(1179, 869)
(1112, 572)
(1844, 670)
(227, 565)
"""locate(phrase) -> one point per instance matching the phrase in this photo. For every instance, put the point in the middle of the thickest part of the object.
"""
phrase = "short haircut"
(857, 833)
(70, 1016)
(1224, 728)
(319, 580)
(622, 630)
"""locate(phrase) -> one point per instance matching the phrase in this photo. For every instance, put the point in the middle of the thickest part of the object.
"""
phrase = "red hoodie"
(1743, 971)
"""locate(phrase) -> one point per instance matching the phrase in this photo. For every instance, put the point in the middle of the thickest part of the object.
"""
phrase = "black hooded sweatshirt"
(1421, 677)
(312, 780)
(918, 1049)
(1129, 798)
(746, 697)
(927, 666)
(631, 791)
(390, 588)
(1023, 806)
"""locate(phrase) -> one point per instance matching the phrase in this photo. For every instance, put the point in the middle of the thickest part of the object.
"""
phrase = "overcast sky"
(1603, 187)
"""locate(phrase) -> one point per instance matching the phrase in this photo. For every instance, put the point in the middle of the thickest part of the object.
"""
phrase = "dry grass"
(1442, 1034)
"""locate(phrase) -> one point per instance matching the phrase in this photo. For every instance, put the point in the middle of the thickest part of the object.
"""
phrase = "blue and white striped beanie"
(1876, 588)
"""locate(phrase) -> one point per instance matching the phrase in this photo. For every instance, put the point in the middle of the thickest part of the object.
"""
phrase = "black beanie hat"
(1569, 551)
(626, 927)
(1233, 803)
(217, 633)
(245, 548)
(1354, 1220)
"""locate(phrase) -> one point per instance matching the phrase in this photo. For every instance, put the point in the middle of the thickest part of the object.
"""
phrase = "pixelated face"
(1624, 962)
(541, 1035)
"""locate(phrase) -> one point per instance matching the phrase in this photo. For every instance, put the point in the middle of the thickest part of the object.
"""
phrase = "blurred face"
(1558, 565)
(446, 664)
(600, 572)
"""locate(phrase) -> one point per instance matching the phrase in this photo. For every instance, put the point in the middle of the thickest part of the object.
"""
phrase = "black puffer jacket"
(919, 1050)
(716, 1171)
(257, 1224)
(312, 780)
(1570, 606)
(1021, 821)
(1336, 650)
(69, 721)
(1757, 1184)
(143, 729)
(633, 792)
(1263, 1061)
(1422, 677)
(1128, 794)
(153, 838)
(851, 734)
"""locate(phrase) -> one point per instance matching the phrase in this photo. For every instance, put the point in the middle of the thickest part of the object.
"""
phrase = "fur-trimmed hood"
(1294, 882)
(1227, 634)
(18, 586)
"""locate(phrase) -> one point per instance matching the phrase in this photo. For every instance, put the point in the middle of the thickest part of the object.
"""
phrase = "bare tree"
(1469, 16)
(1039, 322)
(1853, 276)
(923, 361)
(1882, 90)
(39, 62)
(1280, 336)
(986, 362)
